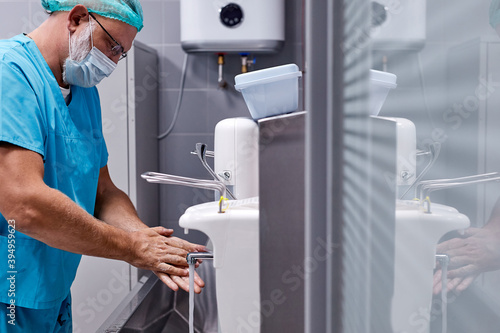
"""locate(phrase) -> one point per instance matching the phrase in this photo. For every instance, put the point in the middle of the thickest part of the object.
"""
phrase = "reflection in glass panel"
(446, 57)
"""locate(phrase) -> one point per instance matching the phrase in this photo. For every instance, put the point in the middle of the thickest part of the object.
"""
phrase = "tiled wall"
(448, 24)
(20, 16)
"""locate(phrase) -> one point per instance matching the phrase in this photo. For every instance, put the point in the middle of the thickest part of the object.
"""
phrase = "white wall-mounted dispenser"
(236, 152)
(236, 26)
(398, 25)
(406, 165)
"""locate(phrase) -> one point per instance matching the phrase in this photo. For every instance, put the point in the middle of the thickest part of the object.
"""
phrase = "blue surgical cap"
(128, 11)
(495, 13)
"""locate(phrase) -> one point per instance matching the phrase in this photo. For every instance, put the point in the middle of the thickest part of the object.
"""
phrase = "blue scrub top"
(34, 115)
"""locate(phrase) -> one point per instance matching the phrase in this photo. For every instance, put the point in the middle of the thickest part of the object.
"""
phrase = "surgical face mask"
(89, 70)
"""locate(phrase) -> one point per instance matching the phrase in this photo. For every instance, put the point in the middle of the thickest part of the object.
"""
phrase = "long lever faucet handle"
(427, 188)
(162, 178)
(201, 152)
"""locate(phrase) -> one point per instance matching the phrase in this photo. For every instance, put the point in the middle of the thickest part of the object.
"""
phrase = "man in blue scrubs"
(57, 200)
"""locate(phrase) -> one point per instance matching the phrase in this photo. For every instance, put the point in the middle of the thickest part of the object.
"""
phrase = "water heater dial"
(231, 15)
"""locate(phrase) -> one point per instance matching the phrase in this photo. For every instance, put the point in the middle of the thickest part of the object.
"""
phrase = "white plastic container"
(271, 91)
(380, 85)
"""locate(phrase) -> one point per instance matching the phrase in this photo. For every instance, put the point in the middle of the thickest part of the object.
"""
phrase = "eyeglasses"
(117, 49)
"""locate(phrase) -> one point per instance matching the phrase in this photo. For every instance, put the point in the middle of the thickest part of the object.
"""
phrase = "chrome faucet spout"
(192, 257)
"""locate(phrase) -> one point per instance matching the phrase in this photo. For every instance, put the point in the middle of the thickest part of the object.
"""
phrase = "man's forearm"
(52, 218)
(114, 207)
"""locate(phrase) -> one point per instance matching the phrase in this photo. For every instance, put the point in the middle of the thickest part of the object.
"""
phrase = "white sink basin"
(235, 238)
(416, 237)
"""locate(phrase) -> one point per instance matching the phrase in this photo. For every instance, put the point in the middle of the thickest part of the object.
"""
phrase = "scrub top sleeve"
(104, 154)
(22, 123)
(104, 149)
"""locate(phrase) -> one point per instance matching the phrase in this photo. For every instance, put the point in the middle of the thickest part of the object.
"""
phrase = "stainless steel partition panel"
(324, 99)
(338, 167)
(146, 131)
(281, 187)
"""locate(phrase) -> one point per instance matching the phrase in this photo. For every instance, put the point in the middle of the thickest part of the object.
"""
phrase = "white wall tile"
(15, 18)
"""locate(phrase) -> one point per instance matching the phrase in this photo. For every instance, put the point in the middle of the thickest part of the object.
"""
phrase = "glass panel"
(446, 57)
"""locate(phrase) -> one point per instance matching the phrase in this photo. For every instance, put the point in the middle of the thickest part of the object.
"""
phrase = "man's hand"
(154, 249)
(476, 252)
(457, 284)
(175, 282)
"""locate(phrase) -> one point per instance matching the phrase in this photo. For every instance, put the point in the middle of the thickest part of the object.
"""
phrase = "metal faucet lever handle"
(162, 178)
(208, 153)
(424, 183)
(433, 151)
(427, 188)
(201, 152)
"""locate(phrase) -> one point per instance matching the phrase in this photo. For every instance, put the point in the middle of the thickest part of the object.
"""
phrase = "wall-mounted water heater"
(232, 26)
(398, 25)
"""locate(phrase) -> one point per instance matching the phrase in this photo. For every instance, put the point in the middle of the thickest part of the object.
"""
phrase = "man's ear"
(78, 15)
